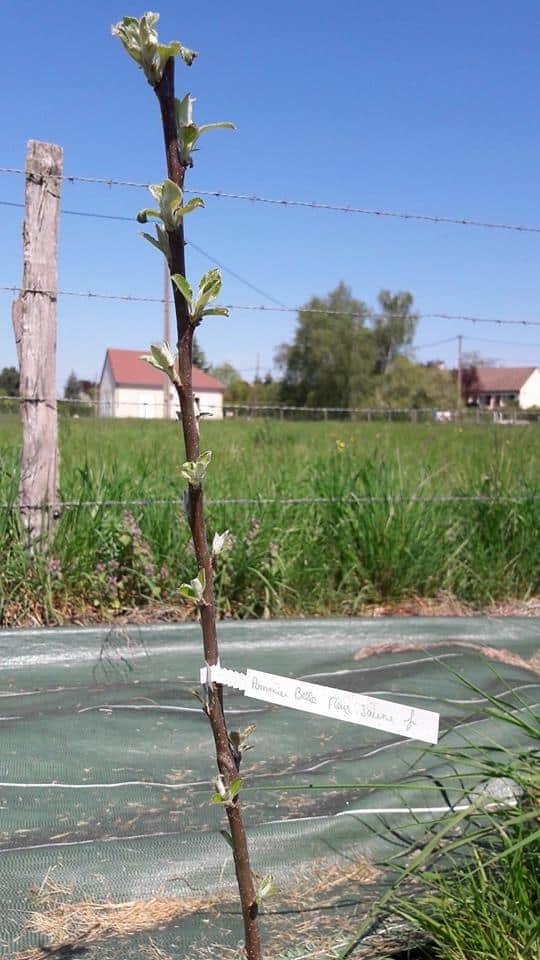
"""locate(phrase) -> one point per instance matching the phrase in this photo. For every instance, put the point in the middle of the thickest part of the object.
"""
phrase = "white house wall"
(529, 395)
(148, 403)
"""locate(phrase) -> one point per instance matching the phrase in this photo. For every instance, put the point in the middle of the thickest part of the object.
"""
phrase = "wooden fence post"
(34, 323)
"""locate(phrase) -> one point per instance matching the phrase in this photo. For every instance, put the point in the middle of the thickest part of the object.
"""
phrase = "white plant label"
(405, 721)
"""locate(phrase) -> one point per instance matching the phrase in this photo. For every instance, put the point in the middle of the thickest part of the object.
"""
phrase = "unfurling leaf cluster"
(194, 471)
(140, 41)
(266, 889)
(226, 795)
(189, 132)
(239, 738)
(195, 588)
(171, 205)
(164, 359)
(222, 541)
(209, 288)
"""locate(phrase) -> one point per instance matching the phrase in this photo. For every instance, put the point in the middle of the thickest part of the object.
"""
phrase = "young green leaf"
(162, 241)
(162, 358)
(209, 288)
(171, 209)
(189, 132)
(222, 541)
(194, 590)
(184, 288)
(226, 795)
(226, 836)
(191, 205)
(184, 111)
(266, 889)
(234, 787)
(216, 312)
(238, 738)
(195, 471)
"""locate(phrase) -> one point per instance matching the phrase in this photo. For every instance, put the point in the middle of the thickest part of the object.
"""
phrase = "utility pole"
(459, 371)
(166, 336)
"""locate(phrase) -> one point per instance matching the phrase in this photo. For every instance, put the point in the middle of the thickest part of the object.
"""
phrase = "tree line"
(345, 354)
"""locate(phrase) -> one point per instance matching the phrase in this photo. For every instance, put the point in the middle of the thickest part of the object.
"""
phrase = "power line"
(263, 308)
(232, 273)
(437, 343)
(111, 216)
(306, 204)
(247, 283)
(506, 343)
(76, 213)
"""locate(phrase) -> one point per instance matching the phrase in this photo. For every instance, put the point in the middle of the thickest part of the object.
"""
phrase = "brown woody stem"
(227, 760)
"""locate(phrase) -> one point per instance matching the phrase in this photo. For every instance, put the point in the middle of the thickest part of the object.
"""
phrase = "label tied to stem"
(405, 721)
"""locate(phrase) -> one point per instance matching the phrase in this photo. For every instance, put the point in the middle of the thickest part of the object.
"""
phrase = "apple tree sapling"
(181, 136)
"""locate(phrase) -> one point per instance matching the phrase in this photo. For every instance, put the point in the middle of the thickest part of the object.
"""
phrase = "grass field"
(286, 559)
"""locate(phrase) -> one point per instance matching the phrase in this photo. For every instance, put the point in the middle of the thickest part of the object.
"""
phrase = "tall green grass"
(471, 884)
(286, 559)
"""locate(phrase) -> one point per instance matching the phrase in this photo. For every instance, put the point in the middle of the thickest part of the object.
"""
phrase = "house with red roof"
(129, 387)
(495, 387)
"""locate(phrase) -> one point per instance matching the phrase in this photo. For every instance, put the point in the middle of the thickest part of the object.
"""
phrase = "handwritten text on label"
(395, 718)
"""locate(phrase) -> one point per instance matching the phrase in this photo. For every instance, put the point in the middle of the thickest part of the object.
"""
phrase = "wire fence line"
(264, 308)
(107, 408)
(306, 204)
(351, 500)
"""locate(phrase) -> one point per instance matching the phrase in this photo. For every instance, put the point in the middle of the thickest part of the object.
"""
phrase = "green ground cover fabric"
(106, 769)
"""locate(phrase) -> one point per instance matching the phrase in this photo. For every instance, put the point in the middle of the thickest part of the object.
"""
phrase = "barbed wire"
(270, 501)
(264, 308)
(306, 204)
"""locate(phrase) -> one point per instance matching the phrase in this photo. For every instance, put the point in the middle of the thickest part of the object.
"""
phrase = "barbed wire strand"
(306, 204)
(263, 308)
(270, 501)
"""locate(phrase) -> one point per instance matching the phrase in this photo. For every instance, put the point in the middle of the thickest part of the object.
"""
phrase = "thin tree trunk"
(228, 762)
(34, 323)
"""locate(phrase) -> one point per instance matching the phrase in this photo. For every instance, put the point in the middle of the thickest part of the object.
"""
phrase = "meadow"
(286, 559)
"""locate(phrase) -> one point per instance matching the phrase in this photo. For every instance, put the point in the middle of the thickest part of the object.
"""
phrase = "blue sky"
(429, 107)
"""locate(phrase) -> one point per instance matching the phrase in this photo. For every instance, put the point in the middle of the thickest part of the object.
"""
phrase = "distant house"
(129, 387)
(495, 387)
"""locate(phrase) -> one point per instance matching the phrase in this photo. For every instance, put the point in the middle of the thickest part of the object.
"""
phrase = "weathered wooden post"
(34, 323)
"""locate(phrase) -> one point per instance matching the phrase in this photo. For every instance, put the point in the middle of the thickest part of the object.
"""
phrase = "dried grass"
(492, 653)
(69, 926)
(304, 911)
